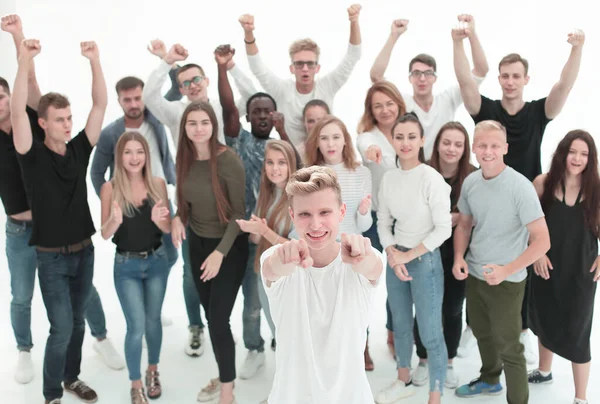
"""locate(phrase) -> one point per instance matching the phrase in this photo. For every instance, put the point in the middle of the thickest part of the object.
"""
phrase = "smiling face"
(407, 141)
(331, 143)
(193, 84)
(577, 158)
(276, 167)
(490, 146)
(452, 146)
(198, 127)
(317, 217)
(134, 157)
(384, 109)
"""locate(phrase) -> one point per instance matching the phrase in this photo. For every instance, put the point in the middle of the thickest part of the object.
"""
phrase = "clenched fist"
(354, 12)
(157, 48)
(177, 53)
(89, 50)
(247, 22)
(12, 24)
(29, 49)
(576, 38)
(399, 27)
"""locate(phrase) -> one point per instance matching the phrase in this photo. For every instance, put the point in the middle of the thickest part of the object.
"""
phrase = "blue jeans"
(264, 302)
(190, 293)
(65, 281)
(426, 292)
(251, 313)
(141, 285)
(21, 264)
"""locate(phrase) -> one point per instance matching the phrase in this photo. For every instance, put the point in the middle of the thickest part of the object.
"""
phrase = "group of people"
(305, 226)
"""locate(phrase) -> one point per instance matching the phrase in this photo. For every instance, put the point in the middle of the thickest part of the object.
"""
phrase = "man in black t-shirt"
(55, 178)
(525, 122)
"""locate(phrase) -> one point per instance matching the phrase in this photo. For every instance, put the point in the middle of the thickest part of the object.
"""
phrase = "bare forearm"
(383, 59)
(536, 249)
(251, 48)
(461, 241)
(355, 38)
(164, 225)
(416, 252)
(461, 64)
(370, 267)
(225, 92)
(109, 229)
(571, 69)
(19, 94)
(480, 64)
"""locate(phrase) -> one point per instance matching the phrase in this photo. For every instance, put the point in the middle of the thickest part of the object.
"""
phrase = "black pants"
(452, 309)
(218, 295)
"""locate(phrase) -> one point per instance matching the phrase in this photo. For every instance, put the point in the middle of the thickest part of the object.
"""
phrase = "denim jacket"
(105, 150)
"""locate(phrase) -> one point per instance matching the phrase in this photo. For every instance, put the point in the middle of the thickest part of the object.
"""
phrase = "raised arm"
(103, 157)
(247, 23)
(111, 213)
(468, 86)
(22, 136)
(353, 13)
(93, 126)
(480, 64)
(383, 58)
(13, 25)
(231, 115)
(165, 111)
(559, 93)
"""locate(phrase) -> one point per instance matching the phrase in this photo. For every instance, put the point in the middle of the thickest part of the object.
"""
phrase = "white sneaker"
(195, 344)
(55, 401)
(254, 361)
(529, 352)
(165, 321)
(24, 371)
(394, 392)
(109, 354)
(421, 374)
(210, 392)
(451, 378)
(580, 401)
(467, 343)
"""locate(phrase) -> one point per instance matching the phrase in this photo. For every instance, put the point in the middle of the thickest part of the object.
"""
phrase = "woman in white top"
(383, 106)
(414, 199)
(330, 144)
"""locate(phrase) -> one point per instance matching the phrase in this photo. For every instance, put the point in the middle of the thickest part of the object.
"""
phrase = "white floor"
(182, 377)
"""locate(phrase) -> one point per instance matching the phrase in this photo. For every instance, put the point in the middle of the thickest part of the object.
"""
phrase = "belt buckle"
(144, 255)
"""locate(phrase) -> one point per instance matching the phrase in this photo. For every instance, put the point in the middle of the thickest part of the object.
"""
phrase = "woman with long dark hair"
(451, 157)
(210, 198)
(562, 294)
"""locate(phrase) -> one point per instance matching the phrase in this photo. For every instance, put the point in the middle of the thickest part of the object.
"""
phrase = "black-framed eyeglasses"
(299, 64)
(195, 80)
(418, 73)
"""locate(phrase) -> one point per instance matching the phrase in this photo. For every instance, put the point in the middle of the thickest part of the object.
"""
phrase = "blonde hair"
(488, 126)
(266, 197)
(368, 121)
(122, 185)
(313, 153)
(305, 44)
(312, 179)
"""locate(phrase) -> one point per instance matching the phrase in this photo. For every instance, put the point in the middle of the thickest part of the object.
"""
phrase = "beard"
(134, 113)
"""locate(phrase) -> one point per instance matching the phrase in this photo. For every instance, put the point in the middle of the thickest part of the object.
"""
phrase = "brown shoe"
(369, 365)
(138, 396)
(82, 391)
(153, 384)
(390, 343)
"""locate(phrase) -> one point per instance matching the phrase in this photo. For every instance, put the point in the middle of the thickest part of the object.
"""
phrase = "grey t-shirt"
(501, 208)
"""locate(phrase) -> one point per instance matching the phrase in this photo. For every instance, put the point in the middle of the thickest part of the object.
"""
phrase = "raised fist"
(177, 53)
(354, 12)
(576, 38)
(399, 27)
(89, 50)
(467, 22)
(247, 22)
(278, 121)
(29, 48)
(12, 24)
(157, 48)
(224, 55)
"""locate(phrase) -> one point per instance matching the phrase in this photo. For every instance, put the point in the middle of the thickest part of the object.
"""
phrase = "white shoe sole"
(194, 353)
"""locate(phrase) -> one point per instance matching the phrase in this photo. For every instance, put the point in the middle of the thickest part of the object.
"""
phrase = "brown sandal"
(138, 396)
(153, 384)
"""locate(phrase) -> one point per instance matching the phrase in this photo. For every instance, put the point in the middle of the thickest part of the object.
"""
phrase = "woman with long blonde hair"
(135, 213)
(271, 224)
(210, 198)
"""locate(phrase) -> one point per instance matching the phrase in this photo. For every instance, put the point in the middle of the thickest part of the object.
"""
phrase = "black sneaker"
(82, 391)
(273, 344)
(535, 377)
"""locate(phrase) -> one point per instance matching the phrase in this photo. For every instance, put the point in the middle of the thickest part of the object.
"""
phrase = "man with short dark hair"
(54, 173)
(432, 110)
(525, 122)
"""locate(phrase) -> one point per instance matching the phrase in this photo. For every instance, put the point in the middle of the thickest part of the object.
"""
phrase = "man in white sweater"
(193, 84)
(292, 95)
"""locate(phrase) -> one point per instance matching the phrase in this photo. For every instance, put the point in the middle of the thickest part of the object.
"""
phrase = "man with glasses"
(433, 110)
(193, 84)
(292, 95)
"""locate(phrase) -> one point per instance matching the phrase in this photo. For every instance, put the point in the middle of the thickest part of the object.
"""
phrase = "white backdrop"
(538, 30)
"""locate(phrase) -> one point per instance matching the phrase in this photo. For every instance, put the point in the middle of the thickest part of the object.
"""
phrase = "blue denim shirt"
(252, 152)
(105, 150)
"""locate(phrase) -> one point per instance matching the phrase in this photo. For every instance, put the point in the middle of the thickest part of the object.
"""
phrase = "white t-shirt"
(443, 109)
(321, 316)
(155, 158)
